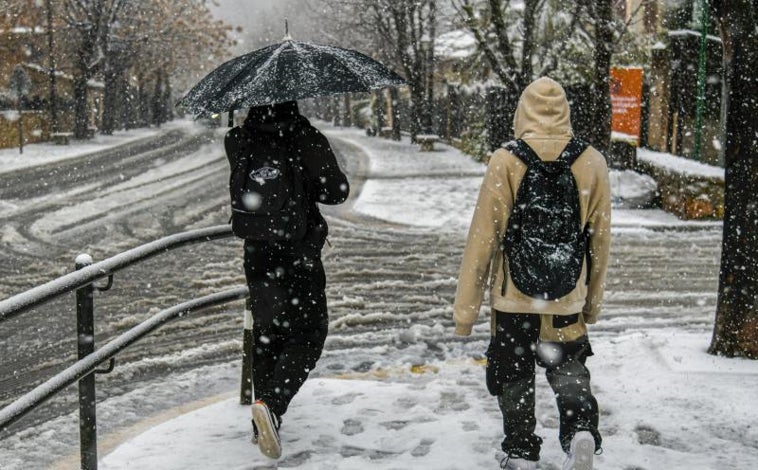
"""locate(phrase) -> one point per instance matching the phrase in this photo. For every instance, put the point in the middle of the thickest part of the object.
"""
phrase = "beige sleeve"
(484, 236)
(599, 220)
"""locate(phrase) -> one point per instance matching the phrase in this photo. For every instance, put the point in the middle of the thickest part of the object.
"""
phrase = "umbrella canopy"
(288, 71)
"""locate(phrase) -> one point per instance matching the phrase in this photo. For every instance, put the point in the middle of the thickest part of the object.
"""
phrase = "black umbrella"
(287, 71)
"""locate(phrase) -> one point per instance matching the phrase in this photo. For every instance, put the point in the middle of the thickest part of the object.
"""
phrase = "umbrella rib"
(341, 62)
(365, 84)
(347, 67)
(258, 71)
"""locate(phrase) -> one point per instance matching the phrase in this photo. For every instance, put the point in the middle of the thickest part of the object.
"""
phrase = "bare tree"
(518, 44)
(736, 326)
(572, 41)
(400, 32)
(153, 40)
(92, 20)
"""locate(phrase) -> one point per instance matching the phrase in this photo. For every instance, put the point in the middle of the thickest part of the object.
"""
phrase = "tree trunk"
(530, 17)
(81, 107)
(168, 102)
(157, 118)
(416, 108)
(143, 102)
(395, 99)
(601, 137)
(83, 73)
(736, 326)
(111, 99)
(53, 95)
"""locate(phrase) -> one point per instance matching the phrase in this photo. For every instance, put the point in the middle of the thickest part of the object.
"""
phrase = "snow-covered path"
(664, 404)
(390, 292)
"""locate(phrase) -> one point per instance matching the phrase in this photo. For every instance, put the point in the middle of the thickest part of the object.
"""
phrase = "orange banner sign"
(626, 101)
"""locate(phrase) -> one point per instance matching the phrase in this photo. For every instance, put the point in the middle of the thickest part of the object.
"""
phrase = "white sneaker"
(512, 463)
(268, 434)
(581, 453)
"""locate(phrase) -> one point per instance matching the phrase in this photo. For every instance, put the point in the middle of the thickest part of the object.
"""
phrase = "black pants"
(511, 357)
(290, 321)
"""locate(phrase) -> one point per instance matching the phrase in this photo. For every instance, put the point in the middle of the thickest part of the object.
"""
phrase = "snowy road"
(390, 288)
(102, 203)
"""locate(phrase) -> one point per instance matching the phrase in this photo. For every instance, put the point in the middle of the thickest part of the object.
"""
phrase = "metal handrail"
(82, 281)
(41, 294)
(86, 366)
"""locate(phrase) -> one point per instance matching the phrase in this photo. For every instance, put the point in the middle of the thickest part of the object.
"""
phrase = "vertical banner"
(626, 102)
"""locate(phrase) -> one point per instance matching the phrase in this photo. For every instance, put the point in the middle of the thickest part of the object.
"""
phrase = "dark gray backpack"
(267, 190)
(545, 244)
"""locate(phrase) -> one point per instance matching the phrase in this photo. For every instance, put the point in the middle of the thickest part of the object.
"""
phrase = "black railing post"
(85, 329)
(246, 384)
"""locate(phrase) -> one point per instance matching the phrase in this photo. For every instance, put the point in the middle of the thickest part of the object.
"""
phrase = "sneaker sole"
(583, 455)
(268, 437)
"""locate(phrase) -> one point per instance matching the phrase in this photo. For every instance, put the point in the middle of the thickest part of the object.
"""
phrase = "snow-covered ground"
(665, 403)
(43, 153)
(439, 189)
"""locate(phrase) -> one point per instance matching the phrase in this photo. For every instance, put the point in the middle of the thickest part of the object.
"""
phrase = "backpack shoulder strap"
(524, 152)
(573, 150)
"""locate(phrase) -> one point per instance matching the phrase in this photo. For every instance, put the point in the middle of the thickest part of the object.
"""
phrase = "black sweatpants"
(290, 321)
(511, 357)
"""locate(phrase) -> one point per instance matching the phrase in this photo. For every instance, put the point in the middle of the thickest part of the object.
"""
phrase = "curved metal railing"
(84, 370)
(41, 294)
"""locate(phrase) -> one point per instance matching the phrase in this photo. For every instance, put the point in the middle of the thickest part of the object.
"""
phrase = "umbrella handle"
(231, 118)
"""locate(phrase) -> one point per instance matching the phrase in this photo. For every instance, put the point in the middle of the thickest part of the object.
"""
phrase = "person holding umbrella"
(286, 277)
(283, 240)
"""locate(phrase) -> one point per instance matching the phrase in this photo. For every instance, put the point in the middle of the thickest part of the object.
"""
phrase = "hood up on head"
(272, 117)
(543, 112)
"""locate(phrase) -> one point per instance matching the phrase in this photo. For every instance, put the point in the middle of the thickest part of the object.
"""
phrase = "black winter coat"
(325, 182)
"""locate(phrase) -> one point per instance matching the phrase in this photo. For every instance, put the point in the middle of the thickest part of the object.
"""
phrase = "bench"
(426, 141)
(61, 138)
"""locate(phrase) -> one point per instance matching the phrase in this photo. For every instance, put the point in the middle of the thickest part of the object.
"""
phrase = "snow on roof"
(681, 165)
(458, 44)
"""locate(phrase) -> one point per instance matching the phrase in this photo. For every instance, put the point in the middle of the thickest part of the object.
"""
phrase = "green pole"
(701, 77)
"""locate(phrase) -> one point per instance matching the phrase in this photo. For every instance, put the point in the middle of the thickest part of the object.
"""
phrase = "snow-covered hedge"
(689, 189)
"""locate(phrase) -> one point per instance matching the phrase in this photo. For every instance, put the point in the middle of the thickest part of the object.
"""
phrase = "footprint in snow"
(394, 425)
(469, 426)
(345, 399)
(423, 448)
(295, 460)
(351, 427)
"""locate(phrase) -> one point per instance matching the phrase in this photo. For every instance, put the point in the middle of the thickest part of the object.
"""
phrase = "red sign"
(626, 101)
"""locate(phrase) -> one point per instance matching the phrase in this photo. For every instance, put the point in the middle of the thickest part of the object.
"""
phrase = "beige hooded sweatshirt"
(542, 120)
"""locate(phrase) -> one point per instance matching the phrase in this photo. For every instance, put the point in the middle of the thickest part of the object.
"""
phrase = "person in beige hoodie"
(526, 330)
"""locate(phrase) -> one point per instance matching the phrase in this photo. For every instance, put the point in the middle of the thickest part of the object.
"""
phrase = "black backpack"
(267, 191)
(545, 243)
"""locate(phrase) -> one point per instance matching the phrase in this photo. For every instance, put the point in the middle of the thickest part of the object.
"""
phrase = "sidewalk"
(652, 387)
(665, 403)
